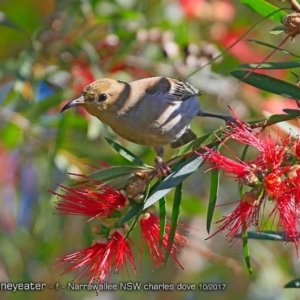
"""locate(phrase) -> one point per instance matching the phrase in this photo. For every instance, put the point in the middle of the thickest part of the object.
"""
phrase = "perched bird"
(154, 111)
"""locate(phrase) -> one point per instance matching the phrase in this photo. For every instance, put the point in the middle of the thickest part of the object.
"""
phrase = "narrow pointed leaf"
(114, 172)
(267, 236)
(120, 182)
(266, 9)
(268, 83)
(273, 47)
(293, 284)
(125, 153)
(292, 112)
(201, 141)
(5, 21)
(246, 251)
(273, 119)
(174, 219)
(162, 218)
(278, 29)
(272, 65)
(182, 171)
(135, 210)
(213, 195)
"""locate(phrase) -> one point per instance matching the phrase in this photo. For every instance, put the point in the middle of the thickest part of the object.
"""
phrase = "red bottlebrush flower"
(245, 135)
(296, 149)
(288, 218)
(285, 194)
(292, 180)
(100, 259)
(275, 174)
(271, 153)
(227, 165)
(273, 185)
(245, 215)
(150, 228)
(94, 201)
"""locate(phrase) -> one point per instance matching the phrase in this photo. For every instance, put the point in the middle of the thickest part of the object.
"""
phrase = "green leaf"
(273, 47)
(279, 118)
(181, 172)
(125, 153)
(135, 210)
(246, 251)
(114, 172)
(243, 156)
(4, 21)
(293, 284)
(292, 112)
(201, 141)
(162, 218)
(267, 236)
(272, 65)
(268, 83)
(214, 189)
(11, 135)
(174, 219)
(278, 29)
(294, 74)
(266, 9)
(120, 182)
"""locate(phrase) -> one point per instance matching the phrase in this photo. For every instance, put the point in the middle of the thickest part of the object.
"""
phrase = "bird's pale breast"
(154, 120)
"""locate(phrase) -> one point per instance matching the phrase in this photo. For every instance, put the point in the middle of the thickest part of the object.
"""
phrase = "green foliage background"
(49, 50)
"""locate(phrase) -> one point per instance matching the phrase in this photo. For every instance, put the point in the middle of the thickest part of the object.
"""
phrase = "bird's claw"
(162, 168)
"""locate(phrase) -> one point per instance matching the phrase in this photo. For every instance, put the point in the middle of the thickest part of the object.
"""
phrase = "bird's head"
(100, 96)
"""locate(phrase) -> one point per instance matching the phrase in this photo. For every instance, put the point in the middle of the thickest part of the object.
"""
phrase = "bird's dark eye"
(102, 97)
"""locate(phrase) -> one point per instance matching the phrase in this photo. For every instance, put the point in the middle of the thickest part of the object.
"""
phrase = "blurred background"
(49, 51)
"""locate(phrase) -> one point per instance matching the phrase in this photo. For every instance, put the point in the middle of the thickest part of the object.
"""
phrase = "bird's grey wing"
(172, 89)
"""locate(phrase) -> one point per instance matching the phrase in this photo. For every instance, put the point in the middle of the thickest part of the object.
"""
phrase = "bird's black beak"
(77, 102)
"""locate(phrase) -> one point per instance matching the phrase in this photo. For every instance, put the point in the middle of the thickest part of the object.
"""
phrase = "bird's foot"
(162, 168)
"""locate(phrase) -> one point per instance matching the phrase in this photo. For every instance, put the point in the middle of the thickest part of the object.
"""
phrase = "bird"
(153, 111)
